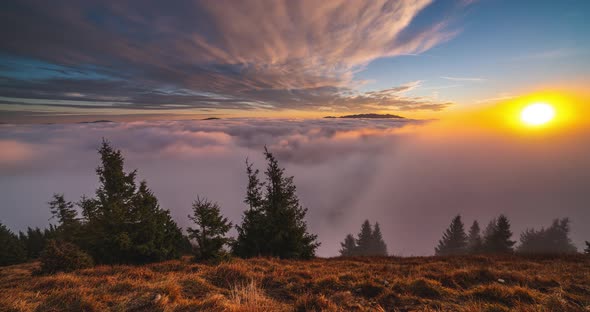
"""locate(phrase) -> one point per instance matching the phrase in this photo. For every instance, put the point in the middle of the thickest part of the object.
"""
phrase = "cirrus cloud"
(257, 54)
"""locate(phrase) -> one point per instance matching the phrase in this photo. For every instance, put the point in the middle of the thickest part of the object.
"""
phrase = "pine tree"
(348, 246)
(552, 240)
(274, 225)
(12, 250)
(454, 240)
(497, 236)
(67, 217)
(474, 240)
(364, 241)
(34, 241)
(378, 246)
(211, 230)
(124, 222)
(251, 233)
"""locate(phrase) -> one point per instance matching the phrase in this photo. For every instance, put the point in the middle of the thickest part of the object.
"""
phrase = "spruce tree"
(67, 217)
(454, 240)
(251, 233)
(34, 241)
(474, 240)
(364, 241)
(210, 231)
(378, 246)
(124, 222)
(274, 225)
(552, 240)
(348, 246)
(12, 250)
(497, 236)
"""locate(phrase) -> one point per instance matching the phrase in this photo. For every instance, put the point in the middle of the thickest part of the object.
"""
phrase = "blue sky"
(282, 58)
(509, 45)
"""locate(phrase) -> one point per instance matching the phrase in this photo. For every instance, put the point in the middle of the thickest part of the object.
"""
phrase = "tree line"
(496, 239)
(369, 242)
(123, 223)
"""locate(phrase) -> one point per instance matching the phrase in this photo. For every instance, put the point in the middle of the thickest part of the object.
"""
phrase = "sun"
(537, 114)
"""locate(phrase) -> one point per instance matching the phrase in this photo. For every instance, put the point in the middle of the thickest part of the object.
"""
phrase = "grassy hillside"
(382, 284)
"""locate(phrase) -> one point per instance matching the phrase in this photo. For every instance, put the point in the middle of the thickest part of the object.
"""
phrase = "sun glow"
(537, 114)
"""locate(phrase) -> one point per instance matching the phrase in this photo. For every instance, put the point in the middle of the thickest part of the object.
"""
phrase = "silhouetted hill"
(95, 121)
(368, 116)
(212, 118)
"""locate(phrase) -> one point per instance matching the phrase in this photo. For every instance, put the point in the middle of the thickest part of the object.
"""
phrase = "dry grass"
(379, 284)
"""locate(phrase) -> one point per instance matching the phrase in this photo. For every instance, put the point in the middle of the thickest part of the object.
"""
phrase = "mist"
(410, 176)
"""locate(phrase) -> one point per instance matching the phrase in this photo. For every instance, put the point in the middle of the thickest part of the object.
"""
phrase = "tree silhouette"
(34, 241)
(552, 240)
(124, 223)
(348, 246)
(274, 224)
(369, 242)
(210, 231)
(378, 246)
(12, 250)
(364, 241)
(454, 240)
(497, 236)
(67, 217)
(474, 240)
(251, 233)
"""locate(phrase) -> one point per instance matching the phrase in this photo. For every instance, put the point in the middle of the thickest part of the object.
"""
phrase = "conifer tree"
(474, 240)
(34, 241)
(497, 236)
(454, 240)
(67, 217)
(210, 231)
(251, 233)
(12, 250)
(274, 225)
(364, 241)
(124, 223)
(378, 246)
(552, 240)
(348, 246)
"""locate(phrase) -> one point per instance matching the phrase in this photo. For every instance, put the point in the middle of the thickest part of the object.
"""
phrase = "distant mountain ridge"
(375, 116)
(95, 121)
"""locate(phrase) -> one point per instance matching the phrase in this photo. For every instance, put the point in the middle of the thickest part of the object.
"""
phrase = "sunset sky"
(135, 60)
(496, 94)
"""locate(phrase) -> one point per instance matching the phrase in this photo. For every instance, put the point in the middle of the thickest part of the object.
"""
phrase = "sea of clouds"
(401, 173)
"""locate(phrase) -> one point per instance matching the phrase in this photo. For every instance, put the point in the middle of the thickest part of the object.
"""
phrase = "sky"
(461, 72)
(64, 61)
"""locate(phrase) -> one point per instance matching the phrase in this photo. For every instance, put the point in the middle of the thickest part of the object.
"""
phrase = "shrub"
(63, 257)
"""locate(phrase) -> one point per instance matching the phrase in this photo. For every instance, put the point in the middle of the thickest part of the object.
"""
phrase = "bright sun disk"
(537, 114)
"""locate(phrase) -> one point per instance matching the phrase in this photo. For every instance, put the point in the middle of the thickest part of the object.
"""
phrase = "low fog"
(411, 177)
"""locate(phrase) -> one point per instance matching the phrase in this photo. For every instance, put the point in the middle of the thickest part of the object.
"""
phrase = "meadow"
(470, 283)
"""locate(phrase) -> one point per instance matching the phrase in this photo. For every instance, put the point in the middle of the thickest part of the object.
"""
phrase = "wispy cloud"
(500, 97)
(212, 54)
(472, 79)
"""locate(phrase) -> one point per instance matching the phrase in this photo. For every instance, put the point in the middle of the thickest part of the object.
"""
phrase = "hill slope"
(384, 284)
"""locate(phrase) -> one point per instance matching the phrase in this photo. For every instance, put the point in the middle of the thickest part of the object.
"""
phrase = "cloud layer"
(404, 174)
(208, 54)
